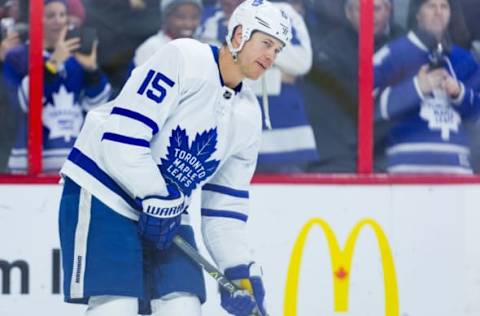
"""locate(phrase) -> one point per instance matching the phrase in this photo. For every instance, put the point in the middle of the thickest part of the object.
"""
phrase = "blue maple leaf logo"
(188, 166)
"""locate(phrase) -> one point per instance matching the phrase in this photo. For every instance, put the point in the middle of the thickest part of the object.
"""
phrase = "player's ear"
(237, 36)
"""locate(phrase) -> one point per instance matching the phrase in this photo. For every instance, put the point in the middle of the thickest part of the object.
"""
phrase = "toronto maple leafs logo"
(440, 116)
(186, 165)
(63, 117)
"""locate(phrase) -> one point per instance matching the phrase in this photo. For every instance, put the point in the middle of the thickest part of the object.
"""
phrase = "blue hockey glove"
(250, 300)
(160, 217)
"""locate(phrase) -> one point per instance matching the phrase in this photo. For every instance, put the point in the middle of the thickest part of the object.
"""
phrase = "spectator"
(290, 144)
(213, 28)
(457, 30)
(122, 25)
(11, 35)
(12, 32)
(427, 89)
(332, 88)
(180, 18)
(323, 17)
(73, 84)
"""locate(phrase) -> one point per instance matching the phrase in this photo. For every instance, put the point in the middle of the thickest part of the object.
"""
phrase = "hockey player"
(428, 88)
(183, 122)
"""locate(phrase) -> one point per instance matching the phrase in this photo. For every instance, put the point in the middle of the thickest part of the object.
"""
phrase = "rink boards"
(353, 250)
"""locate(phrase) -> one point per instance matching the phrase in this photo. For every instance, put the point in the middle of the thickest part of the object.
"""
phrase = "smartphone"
(87, 37)
(436, 58)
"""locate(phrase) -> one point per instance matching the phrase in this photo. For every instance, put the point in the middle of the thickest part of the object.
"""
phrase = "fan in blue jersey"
(427, 89)
(73, 84)
(183, 123)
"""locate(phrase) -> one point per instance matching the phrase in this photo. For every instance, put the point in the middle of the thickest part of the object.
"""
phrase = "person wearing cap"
(331, 87)
(427, 88)
(180, 18)
(73, 85)
(75, 12)
(184, 122)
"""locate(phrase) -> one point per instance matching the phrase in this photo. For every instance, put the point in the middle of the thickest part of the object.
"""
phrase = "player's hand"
(160, 218)
(250, 300)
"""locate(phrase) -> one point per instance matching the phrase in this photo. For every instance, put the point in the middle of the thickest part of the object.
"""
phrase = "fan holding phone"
(73, 84)
(80, 42)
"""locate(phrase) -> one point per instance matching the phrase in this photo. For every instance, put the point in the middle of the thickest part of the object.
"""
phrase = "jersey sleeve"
(137, 115)
(225, 207)
(468, 102)
(393, 98)
(15, 72)
(296, 57)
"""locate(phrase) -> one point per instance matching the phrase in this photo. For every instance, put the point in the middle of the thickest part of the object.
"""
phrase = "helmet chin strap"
(265, 103)
(235, 51)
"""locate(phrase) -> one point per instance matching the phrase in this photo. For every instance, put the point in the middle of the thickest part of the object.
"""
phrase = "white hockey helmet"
(258, 15)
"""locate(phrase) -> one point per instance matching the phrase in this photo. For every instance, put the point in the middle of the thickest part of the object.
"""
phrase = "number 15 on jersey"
(153, 85)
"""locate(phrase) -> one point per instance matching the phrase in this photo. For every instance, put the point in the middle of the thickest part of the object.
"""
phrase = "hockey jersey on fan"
(67, 96)
(427, 131)
(213, 26)
(291, 140)
(174, 119)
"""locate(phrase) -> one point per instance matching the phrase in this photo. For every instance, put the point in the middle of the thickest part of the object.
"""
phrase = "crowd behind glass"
(426, 86)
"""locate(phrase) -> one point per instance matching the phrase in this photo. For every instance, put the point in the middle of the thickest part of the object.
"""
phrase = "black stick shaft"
(207, 266)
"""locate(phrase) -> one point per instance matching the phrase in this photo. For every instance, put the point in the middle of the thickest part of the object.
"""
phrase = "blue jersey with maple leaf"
(427, 132)
(175, 119)
(67, 96)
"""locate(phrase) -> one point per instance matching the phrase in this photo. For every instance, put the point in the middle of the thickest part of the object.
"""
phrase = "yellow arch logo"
(341, 263)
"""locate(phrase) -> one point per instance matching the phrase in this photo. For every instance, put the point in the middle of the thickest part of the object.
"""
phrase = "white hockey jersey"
(173, 119)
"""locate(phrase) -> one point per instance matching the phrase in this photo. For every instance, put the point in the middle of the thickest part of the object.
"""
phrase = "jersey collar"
(215, 52)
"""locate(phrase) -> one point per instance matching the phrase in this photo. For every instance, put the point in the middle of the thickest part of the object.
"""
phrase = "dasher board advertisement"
(325, 250)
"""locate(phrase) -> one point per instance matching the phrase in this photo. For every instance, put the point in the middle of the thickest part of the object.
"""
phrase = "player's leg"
(101, 251)
(179, 287)
(112, 305)
(178, 304)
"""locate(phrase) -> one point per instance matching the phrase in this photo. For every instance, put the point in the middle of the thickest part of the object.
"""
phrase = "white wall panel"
(433, 233)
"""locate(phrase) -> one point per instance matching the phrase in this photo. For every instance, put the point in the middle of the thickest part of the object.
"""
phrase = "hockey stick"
(207, 266)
